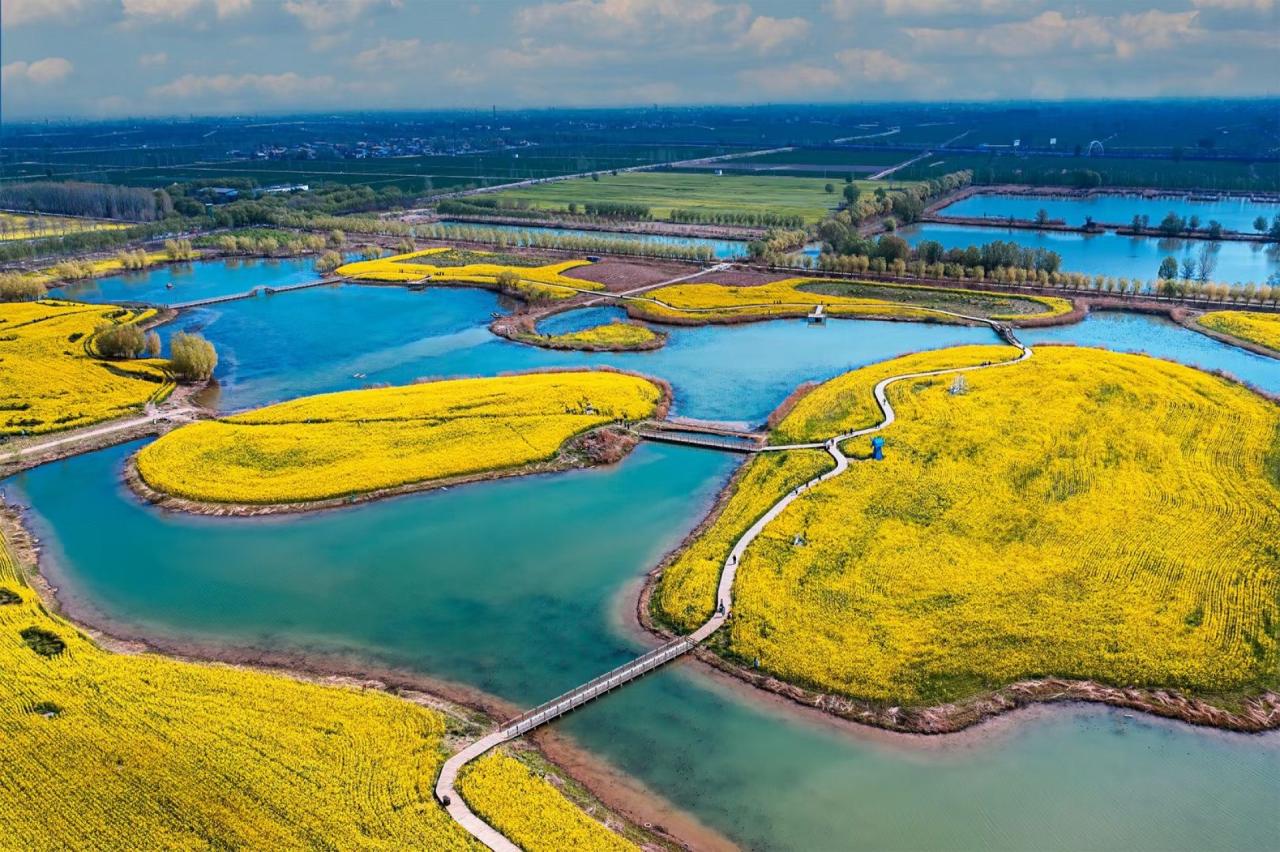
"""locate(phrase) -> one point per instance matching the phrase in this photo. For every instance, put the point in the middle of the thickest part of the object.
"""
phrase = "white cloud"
(160, 10)
(636, 20)
(400, 52)
(794, 79)
(1053, 34)
(947, 7)
(1235, 5)
(229, 8)
(271, 86)
(531, 55)
(330, 14)
(19, 12)
(843, 10)
(768, 34)
(876, 66)
(150, 60)
(41, 72)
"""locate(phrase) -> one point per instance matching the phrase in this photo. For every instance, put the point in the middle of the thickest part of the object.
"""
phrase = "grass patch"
(44, 642)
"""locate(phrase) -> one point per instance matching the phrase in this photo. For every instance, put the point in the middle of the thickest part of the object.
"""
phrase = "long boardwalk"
(647, 662)
(249, 294)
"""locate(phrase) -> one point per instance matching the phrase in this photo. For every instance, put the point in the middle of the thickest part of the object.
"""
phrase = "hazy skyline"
(103, 58)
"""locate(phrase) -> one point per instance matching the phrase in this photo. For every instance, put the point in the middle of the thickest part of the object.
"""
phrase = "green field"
(664, 191)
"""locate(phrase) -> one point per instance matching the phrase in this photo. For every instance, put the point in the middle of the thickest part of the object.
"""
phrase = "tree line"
(94, 200)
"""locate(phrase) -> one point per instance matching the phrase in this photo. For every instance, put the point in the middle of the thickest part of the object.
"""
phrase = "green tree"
(191, 357)
(1042, 216)
(831, 187)
(1169, 268)
(851, 193)
(1260, 224)
(119, 340)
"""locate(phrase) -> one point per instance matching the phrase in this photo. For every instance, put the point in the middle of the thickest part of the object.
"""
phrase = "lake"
(523, 588)
(1235, 214)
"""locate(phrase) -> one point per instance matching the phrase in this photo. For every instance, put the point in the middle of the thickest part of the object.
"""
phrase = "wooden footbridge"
(249, 294)
(729, 440)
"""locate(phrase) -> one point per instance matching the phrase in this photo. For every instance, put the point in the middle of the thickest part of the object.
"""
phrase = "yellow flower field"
(129, 750)
(612, 336)
(353, 442)
(20, 226)
(791, 297)
(535, 282)
(1253, 326)
(49, 380)
(1082, 514)
(531, 812)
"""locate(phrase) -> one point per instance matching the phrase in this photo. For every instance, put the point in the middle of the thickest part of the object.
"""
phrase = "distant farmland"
(664, 191)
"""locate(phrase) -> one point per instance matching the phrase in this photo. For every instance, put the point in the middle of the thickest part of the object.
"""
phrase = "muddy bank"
(522, 328)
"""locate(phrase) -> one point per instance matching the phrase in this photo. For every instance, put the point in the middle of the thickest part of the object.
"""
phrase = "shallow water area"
(1112, 254)
(1235, 213)
(176, 283)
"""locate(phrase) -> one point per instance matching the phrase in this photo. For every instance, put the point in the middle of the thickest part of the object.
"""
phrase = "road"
(116, 426)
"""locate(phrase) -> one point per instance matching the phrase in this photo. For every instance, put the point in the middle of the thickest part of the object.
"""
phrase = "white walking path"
(647, 662)
(110, 428)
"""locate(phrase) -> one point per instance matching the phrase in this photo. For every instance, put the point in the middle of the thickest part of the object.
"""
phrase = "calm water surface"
(193, 281)
(516, 587)
(1112, 254)
(1235, 214)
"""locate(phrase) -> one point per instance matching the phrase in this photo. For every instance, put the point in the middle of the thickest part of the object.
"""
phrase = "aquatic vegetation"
(1253, 326)
(1083, 514)
(797, 296)
(610, 336)
(533, 282)
(354, 442)
(52, 378)
(126, 750)
(530, 811)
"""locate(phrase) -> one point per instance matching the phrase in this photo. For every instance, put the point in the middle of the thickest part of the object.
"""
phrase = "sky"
(108, 58)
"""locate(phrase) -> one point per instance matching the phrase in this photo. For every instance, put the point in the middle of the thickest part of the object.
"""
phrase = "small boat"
(359, 375)
(169, 286)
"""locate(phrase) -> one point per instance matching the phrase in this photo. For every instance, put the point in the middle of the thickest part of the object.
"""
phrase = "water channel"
(523, 587)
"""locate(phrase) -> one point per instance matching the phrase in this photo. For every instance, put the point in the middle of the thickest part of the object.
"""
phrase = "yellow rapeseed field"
(537, 282)
(50, 381)
(790, 297)
(1255, 327)
(353, 442)
(142, 752)
(685, 595)
(17, 226)
(531, 812)
(1082, 514)
(612, 335)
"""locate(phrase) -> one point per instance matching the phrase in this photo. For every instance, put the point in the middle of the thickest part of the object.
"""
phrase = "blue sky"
(102, 58)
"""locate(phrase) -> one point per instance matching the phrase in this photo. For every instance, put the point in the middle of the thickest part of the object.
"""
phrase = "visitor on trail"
(877, 448)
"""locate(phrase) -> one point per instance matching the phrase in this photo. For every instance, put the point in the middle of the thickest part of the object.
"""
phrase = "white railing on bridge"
(562, 704)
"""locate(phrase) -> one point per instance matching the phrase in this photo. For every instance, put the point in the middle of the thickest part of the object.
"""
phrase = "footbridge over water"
(707, 436)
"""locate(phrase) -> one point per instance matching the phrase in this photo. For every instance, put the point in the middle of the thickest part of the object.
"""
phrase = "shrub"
(9, 596)
(192, 357)
(18, 288)
(43, 642)
(119, 340)
(328, 261)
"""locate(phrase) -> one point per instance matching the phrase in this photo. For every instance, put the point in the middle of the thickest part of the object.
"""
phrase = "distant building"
(285, 187)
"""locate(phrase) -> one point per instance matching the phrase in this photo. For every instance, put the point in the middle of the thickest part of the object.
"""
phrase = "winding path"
(445, 784)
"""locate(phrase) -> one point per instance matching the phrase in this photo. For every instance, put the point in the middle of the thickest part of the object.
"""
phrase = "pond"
(524, 587)
(1112, 254)
(175, 283)
(721, 249)
(1235, 214)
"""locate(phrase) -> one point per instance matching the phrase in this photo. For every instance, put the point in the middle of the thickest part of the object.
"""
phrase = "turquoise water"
(580, 319)
(338, 338)
(722, 249)
(1111, 254)
(191, 282)
(523, 588)
(1235, 214)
